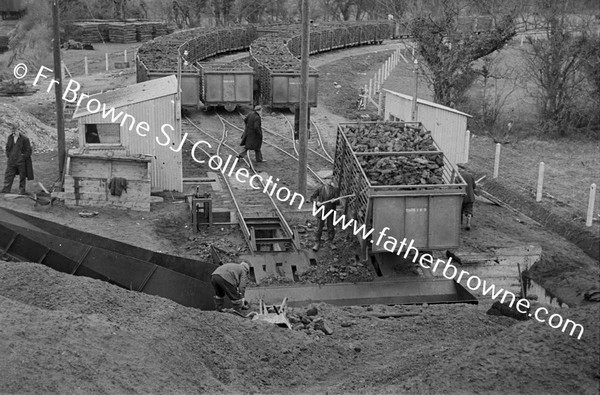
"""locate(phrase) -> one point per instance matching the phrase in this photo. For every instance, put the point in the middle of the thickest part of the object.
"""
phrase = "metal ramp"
(402, 291)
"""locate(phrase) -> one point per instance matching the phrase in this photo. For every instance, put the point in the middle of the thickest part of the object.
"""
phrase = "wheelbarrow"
(273, 314)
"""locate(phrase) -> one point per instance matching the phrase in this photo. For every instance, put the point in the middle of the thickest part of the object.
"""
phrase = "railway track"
(284, 147)
(263, 225)
(315, 142)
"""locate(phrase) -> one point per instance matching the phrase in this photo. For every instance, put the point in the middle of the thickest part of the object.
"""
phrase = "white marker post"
(125, 56)
(590, 212)
(540, 183)
(497, 160)
(106, 60)
(85, 64)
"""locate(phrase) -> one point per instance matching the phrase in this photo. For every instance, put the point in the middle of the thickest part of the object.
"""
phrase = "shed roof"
(428, 103)
(131, 94)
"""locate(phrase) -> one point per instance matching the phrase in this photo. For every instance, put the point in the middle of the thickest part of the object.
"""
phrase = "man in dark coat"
(469, 199)
(329, 190)
(18, 151)
(252, 136)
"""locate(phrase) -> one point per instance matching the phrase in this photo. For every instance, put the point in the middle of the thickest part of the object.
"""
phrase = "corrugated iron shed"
(132, 94)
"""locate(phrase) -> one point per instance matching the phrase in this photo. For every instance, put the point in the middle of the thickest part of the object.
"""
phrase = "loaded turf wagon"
(401, 181)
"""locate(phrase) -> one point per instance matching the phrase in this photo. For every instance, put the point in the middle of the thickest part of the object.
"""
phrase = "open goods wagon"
(12, 8)
(413, 201)
(226, 84)
(190, 82)
(278, 72)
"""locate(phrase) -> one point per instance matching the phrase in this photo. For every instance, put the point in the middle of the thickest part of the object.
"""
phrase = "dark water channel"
(545, 297)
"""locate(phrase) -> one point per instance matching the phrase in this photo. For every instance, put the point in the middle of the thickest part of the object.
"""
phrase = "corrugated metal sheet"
(447, 126)
(132, 94)
(158, 113)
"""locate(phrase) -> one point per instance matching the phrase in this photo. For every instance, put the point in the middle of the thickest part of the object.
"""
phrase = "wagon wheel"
(230, 107)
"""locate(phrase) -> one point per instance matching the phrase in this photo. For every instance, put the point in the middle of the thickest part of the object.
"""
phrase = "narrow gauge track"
(285, 151)
(314, 140)
(262, 223)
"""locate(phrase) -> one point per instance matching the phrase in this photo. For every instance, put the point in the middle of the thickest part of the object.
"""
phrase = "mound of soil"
(66, 334)
(43, 138)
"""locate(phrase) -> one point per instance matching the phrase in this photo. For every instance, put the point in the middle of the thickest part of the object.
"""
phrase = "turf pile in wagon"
(396, 153)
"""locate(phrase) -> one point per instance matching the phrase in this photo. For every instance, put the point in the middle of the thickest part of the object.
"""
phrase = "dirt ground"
(61, 333)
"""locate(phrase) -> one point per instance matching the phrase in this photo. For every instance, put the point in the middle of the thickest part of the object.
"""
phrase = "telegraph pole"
(60, 120)
(414, 103)
(303, 133)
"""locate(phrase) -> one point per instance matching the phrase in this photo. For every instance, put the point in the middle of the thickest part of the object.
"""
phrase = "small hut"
(130, 134)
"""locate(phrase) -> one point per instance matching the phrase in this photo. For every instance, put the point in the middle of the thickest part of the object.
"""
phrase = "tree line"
(561, 67)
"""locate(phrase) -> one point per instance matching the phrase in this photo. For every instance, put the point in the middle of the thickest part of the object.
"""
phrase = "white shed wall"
(166, 166)
(449, 129)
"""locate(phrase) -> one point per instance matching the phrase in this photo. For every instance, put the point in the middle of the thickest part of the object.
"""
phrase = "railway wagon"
(278, 71)
(285, 90)
(428, 214)
(12, 8)
(226, 84)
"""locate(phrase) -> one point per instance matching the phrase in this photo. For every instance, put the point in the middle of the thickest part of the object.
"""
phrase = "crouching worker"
(230, 280)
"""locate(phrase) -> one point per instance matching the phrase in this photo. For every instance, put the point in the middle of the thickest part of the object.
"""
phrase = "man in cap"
(18, 151)
(230, 280)
(253, 135)
(327, 191)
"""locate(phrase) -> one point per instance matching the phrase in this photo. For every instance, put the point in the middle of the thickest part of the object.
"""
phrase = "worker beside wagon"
(230, 280)
(328, 191)
(252, 136)
(469, 199)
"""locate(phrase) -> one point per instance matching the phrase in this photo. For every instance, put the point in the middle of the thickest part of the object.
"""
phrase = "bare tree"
(498, 85)
(448, 49)
(556, 63)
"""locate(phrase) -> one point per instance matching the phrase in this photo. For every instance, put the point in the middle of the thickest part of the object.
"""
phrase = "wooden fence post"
(125, 56)
(590, 211)
(497, 160)
(106, 60)
(540, 183)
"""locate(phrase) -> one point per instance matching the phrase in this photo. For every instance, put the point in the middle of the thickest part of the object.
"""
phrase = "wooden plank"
(130, 170)
(89, 168)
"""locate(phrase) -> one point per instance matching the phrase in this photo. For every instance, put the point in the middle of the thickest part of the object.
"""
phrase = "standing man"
(230, 280)
(252, 136)
(469, 199)
(256, 92)
(18, 152)
(329, 190)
